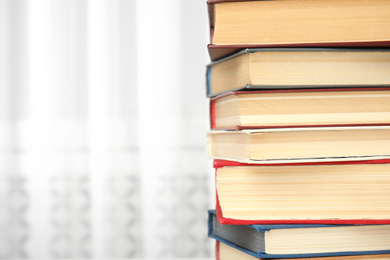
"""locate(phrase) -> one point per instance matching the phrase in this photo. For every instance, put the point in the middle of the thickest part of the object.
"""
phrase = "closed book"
(300, 144)
(300, 107)
(242, 24)
(343, 192)
(226, 252)
(286, 68)
(295, 241)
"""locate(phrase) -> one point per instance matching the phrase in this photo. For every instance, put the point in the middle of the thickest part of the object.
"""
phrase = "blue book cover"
(296, 241)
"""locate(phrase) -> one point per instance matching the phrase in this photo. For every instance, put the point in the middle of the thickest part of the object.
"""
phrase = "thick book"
(242, 24)
(343, 192)
(301, 144)
(300, 107)
(226, 252)
(295, 241)
(281, 68)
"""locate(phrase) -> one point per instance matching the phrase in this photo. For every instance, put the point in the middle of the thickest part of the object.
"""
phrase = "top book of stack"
(238, 24)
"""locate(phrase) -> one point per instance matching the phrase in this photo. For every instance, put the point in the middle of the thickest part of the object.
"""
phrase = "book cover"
(322, 182)
(262, 241)
(300, 144)
(225, 252)
(298, 68)
(326, 107)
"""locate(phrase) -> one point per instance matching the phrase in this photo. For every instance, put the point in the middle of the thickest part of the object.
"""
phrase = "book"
(300, 144)
(292, 241)
(300, 108)
(280, 68)
(242, 24)
(343, 192)
(226, 252)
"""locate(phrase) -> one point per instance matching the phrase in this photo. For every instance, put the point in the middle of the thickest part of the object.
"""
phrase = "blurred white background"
(103, 116)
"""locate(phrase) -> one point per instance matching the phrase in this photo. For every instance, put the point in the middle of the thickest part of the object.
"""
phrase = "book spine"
(212, 114)
(211, 20)
(208, 81)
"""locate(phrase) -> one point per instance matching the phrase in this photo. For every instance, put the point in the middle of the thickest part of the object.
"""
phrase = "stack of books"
(300, 128)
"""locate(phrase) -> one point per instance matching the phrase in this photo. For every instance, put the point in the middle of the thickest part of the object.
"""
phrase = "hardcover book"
(294, 241)
(242, 24)
(225, 252)
(300, 107)
(280, 68)
(300, 144)
(344, 192)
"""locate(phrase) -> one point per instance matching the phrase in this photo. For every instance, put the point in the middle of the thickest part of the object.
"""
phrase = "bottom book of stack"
(299, 241)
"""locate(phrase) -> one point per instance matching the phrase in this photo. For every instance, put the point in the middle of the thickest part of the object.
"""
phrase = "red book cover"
(231, 221)
(218, 51)
(212, 114)
(217, 163)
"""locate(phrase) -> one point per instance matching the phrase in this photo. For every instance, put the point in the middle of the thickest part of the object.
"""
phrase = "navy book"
(295, 240)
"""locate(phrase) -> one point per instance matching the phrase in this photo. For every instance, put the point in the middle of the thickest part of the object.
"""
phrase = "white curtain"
(102, 122)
